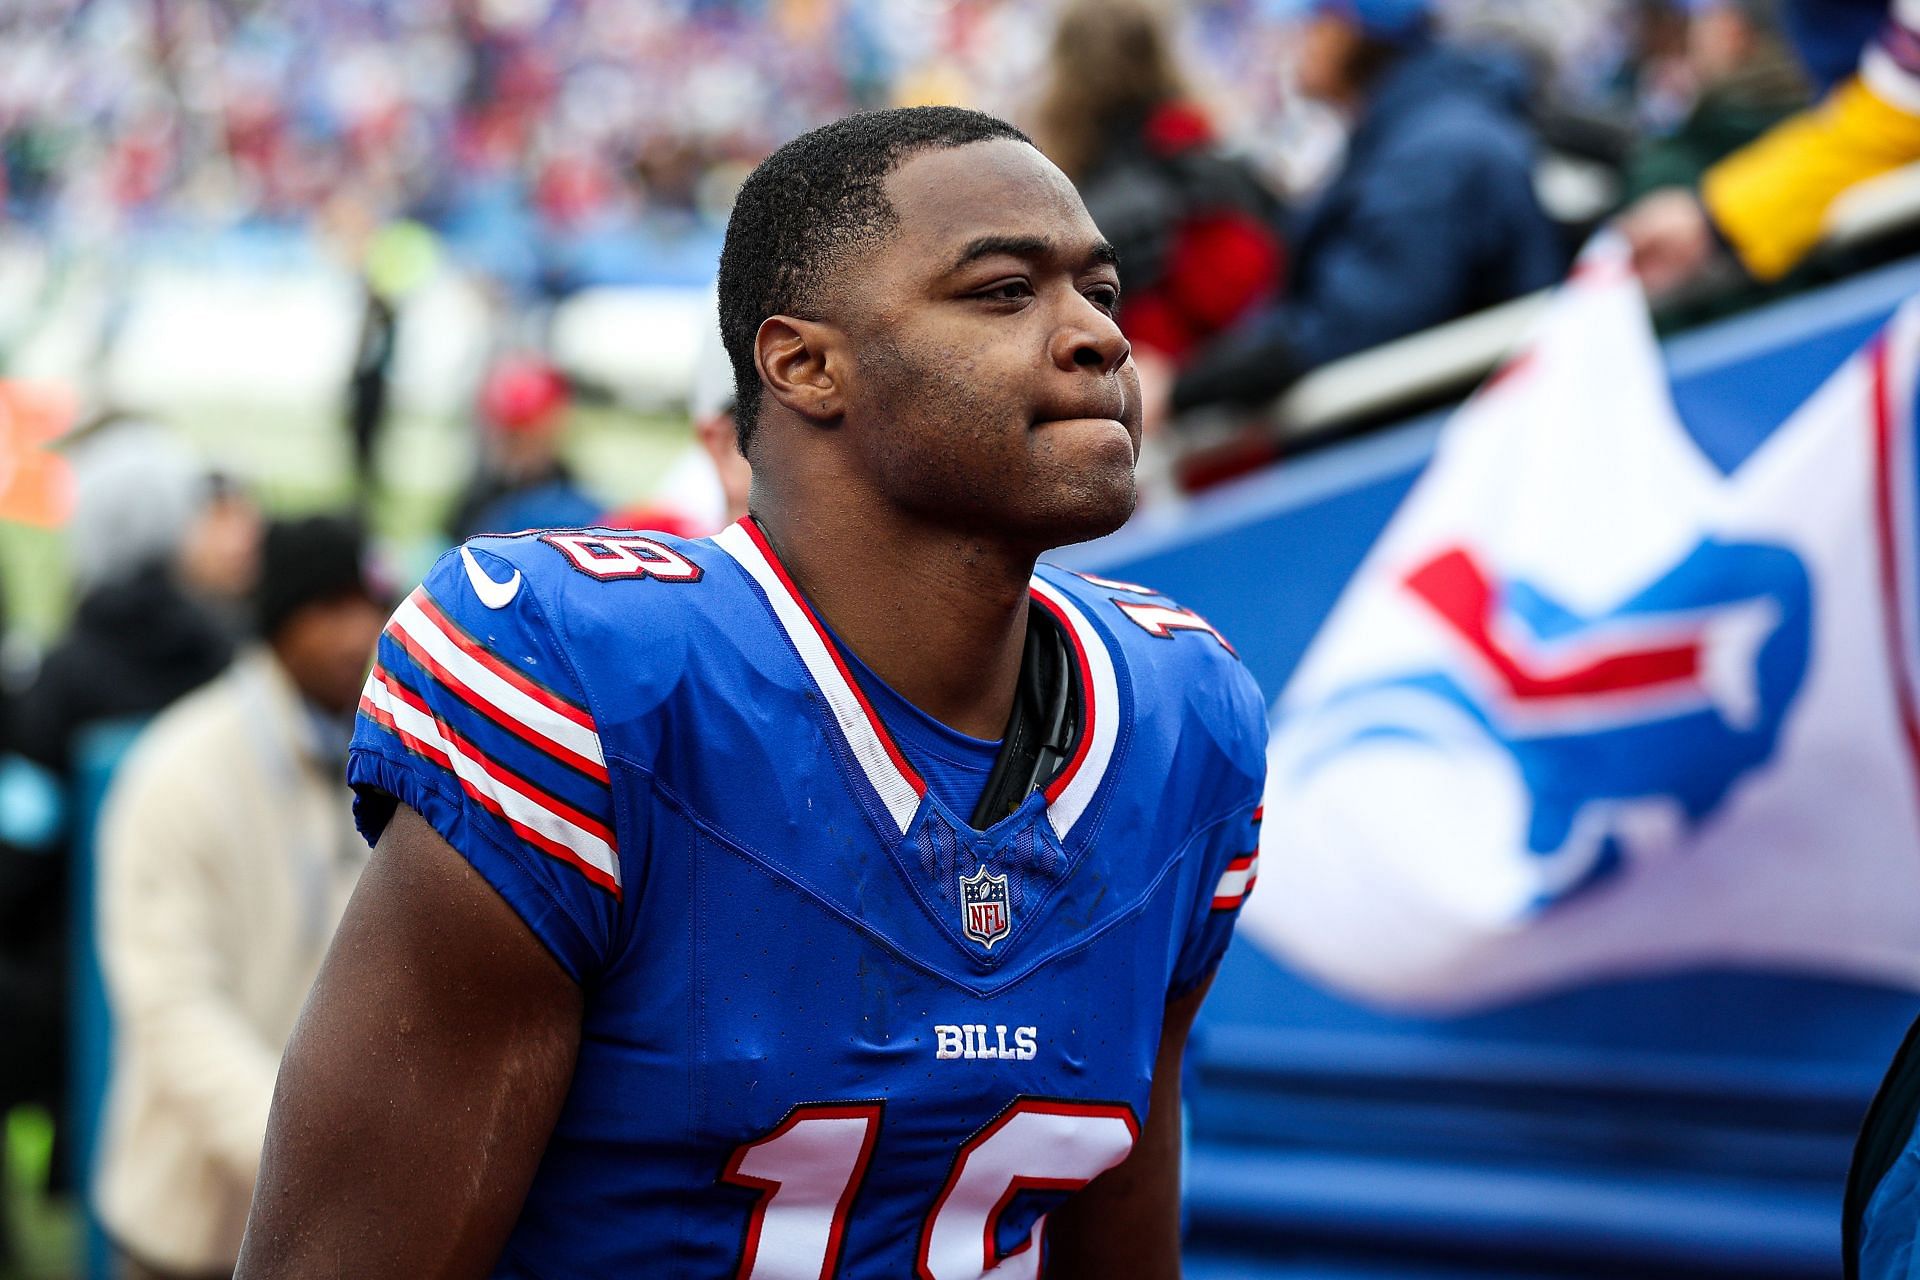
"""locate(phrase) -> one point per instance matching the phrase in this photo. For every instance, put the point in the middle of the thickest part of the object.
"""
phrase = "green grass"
(33, 568)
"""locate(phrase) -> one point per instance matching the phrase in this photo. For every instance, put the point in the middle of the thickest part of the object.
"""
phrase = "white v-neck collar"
(894, 781)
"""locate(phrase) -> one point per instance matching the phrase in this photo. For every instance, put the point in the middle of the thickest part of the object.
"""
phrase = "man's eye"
(1105, 297)
(1006, 291)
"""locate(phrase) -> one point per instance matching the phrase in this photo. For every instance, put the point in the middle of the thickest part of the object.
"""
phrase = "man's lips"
(1084, 431)
(1110, 412)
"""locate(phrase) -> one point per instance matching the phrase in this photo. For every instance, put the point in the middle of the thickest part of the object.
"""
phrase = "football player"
(828, 898)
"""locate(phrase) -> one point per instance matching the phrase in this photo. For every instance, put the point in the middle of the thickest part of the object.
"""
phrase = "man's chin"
(1093, 511)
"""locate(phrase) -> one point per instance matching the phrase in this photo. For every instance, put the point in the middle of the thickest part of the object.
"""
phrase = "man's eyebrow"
(1011, 246)
(1100, 253)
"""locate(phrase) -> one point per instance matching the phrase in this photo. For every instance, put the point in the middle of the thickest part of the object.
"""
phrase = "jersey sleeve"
(475, 717)
(1229, 866)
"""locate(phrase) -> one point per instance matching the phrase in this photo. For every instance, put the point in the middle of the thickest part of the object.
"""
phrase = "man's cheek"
(1135, 397)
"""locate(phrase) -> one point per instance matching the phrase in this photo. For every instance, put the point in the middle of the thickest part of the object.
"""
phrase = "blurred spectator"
(706, 489)
(1661, 73)
(1431, 216)
(1768, 202)
(711, 403)
(1745, 79)
(368, 384)
(521, 481)
(1829, 34)
(391, 262)
(162, 551)
(227, 854)
(1195, 227)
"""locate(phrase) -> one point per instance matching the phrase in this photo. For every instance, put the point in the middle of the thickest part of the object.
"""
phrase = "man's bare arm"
(1127, 1221)
(421, 1083)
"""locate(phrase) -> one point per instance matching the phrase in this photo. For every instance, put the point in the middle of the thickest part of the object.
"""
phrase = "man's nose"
(1090, 340)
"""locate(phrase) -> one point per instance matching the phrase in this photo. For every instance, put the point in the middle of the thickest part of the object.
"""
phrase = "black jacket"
(135, 644)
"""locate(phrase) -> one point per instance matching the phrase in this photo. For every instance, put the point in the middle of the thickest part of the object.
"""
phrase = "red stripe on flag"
(1899, 653)
(1454, 587)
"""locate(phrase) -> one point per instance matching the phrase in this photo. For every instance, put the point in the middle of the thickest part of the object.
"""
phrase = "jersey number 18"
(808, 1171)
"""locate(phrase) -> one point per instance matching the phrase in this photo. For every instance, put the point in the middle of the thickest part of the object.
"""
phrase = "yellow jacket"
(1770, 199)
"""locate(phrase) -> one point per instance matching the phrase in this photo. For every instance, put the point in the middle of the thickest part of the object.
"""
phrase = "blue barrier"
(1696, 1124)
(97, 754)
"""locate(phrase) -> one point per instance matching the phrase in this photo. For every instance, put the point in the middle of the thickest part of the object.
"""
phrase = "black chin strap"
(1042, 727)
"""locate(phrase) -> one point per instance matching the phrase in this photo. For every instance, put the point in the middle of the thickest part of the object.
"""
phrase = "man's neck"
(940, 617)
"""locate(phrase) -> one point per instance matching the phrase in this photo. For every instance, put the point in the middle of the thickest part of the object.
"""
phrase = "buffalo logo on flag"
(984, 913)
(1603, 699)
(1640, 717)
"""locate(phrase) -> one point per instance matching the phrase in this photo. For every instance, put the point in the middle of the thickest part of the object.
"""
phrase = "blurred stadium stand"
(1693, 1125)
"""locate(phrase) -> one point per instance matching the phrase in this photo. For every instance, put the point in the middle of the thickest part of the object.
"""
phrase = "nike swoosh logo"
(494, 595)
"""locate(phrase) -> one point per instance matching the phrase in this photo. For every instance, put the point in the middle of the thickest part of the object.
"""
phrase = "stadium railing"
(1437, 365)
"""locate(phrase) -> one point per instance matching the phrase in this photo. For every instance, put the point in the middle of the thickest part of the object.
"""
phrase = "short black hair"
(807, 207)
(312, 560)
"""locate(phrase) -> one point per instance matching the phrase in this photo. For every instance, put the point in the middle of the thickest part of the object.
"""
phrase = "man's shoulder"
(622, 625)
(584, 587)
(1137, 615)
(1181, 666)
(581, 562)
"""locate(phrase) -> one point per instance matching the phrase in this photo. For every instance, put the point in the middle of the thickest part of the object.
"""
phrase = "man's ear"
(800, 364)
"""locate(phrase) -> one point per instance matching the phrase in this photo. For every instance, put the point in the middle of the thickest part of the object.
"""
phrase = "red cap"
(522, 392)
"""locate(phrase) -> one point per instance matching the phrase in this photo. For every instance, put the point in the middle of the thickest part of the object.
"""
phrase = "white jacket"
(226, 856)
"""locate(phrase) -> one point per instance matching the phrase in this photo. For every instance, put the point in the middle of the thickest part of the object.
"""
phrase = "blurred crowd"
(1288, 183)
(550, 145)
(496, 122)
(541, 137)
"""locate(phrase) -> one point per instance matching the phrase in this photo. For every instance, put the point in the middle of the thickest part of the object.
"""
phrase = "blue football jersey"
(830, 1029)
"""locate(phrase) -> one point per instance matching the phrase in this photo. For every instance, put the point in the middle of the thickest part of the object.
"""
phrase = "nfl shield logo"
(983, 907)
